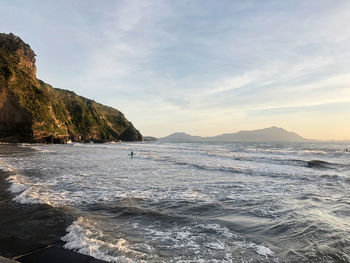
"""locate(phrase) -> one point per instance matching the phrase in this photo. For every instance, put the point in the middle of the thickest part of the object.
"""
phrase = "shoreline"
(33, 232)
(39, 223)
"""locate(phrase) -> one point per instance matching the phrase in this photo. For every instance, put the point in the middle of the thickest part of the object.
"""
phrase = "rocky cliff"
(33, 111)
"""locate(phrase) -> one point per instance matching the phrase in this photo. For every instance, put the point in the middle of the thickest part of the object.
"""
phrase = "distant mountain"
(33, 111)
(268, 134)
(272, 134)
(181, 137)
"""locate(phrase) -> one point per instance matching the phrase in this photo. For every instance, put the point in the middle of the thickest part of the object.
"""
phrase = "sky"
(198, 66)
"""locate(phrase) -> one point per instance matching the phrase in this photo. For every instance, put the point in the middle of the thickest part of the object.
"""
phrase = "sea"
(189, 202)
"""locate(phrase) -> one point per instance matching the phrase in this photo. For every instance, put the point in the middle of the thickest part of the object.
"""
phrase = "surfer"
(131, 154)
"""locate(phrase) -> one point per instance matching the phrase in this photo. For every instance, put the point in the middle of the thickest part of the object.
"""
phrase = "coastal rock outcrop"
(33, 111)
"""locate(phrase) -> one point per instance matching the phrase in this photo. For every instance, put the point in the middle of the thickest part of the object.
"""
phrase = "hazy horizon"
(179, 132)
(200, 67)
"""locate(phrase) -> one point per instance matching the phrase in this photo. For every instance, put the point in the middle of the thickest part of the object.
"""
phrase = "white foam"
(259, 249)
(37, 147)
(85, 238)
(18, 183)
(221, 229)
(6, 166)
(176, 237)
(264, 251)
(29, 196)
(314, 151)
(216, 245)
(29, 192)
(216, 248)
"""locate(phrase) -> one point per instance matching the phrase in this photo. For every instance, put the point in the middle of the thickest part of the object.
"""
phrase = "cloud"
(191, 62)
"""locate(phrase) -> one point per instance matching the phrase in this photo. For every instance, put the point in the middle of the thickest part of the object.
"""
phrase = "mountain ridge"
(271, 134)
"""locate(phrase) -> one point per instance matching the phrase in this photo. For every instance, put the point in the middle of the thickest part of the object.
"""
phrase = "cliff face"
(33, 111)
(15, 121)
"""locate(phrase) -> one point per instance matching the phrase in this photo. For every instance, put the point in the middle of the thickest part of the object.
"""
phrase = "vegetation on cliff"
(33, 111)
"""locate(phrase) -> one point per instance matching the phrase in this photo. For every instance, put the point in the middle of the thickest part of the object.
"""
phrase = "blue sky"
(203, 67)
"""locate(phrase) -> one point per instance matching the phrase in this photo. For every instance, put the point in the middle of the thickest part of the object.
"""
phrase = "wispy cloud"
(199, 64)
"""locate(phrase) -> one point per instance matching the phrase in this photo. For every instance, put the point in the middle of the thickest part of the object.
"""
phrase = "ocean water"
(192, 202)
